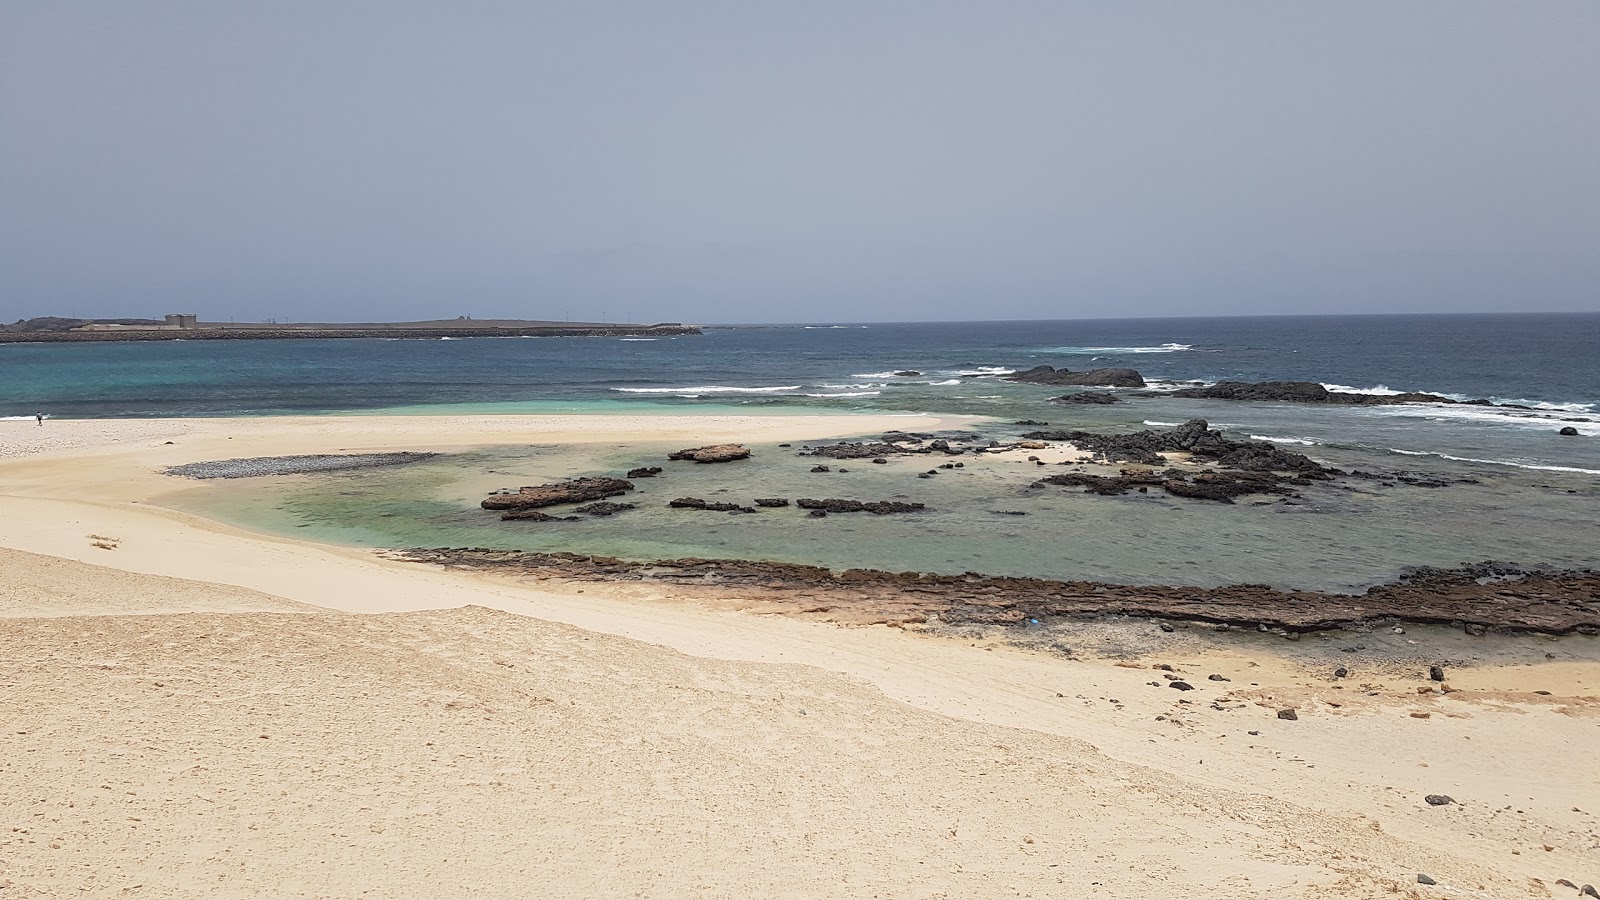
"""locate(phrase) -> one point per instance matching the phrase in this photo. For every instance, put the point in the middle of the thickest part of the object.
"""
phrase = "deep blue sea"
(1522, 493)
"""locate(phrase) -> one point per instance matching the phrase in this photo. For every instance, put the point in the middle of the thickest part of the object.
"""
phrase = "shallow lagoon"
(1341, 536)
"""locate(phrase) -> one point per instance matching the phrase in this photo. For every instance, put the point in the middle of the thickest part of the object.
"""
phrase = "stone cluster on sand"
(295, 465)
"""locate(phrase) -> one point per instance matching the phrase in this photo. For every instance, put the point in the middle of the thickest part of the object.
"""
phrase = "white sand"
(468, 736)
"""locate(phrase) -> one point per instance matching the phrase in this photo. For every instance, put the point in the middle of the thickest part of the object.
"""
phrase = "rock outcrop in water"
(1312, 392)
(876, 507)
(1220, 487)
(715, 453)
(1193, 437)
(604, 508)
(1109, 377)
(1087, 398)
(644, 472)
(697, 503)
(1489, 596)
(578, 490)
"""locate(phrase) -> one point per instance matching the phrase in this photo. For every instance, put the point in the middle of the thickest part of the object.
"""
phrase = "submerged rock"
(533, 515)
(1091, 398)
(605, 508)
(771, 501)
(645, 472)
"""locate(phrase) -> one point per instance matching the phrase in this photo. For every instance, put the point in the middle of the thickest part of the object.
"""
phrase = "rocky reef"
(709, 506)
(1485, 597)
(1312, 392)
(577, 490)
(876, 507)
(1109, 377)
(1193, 437)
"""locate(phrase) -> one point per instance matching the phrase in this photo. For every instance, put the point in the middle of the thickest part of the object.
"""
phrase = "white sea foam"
(710, 389)
(1486, 415)
(946, 383)
(1162, 348)
(982, 370)
(849, 394)
(1381, 390)
(1160, 384)
(873, 375)
(1495, 462)
(1384, 390)
(1283, 440)
(636, 340)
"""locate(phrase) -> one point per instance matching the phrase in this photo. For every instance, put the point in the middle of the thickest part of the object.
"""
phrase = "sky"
(342, 160)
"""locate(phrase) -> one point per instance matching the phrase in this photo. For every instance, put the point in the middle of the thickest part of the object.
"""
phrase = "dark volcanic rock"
(697, 503)
(1193, 436)
(821, 469)
(1312, 392)
(871, 450)
(1032, 423)
(605, 508)
(1439, 799)
(771, 501)
(646, 472)
(908, 373)
(1569, 431)
(1092, 378)
(877, 508)
(1543, 601)
(533, 515)
(1288, 715)
(1093, 398)
(1104, 485)
(578, 490)
(714, 453)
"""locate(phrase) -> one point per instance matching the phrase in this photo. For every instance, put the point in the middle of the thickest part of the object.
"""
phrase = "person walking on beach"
(40, 417)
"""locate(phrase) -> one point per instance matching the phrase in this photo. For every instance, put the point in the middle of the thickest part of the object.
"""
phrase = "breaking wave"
(710, 389)
(1495, 462)
(1160, 348)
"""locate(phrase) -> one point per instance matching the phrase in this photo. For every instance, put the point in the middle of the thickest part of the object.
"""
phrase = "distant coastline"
(451, 328)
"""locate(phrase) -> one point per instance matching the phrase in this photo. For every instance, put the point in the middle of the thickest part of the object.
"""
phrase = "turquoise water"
(1535, 503)
(1341, 539)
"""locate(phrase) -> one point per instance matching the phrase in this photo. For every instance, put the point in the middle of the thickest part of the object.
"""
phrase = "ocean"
(1534, 500)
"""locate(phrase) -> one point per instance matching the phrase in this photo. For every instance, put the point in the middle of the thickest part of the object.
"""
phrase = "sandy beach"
(195, 710)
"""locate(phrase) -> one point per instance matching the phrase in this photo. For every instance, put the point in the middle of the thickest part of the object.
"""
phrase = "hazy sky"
(802, 161)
